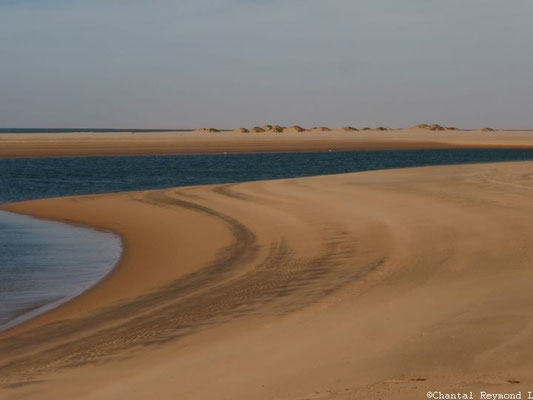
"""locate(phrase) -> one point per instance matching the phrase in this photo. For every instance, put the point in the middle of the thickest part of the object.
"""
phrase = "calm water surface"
(44, 263)
(31, 178)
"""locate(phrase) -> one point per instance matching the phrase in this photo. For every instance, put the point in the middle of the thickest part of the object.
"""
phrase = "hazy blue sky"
(187, 63)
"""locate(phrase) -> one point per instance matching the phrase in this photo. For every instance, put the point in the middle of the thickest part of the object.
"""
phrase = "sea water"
(32, 178)
(44, 263)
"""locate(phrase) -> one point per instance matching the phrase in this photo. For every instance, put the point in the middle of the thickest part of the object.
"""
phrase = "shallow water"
(44, 263)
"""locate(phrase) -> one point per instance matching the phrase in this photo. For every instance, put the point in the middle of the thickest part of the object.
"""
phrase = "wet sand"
(145, 143)
(374, 285)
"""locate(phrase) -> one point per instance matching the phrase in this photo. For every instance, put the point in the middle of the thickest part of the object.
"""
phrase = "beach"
(266, 200)
(374, 285)
(151, 143)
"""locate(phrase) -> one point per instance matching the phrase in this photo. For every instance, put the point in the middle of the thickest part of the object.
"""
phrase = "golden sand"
(274, 139)
(374, 285)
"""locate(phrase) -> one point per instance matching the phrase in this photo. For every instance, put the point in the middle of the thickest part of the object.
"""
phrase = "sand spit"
(409, 281)
(256, 140)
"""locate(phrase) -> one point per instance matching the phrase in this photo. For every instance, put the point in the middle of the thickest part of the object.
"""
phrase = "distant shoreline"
(122, 143)
(85, 130)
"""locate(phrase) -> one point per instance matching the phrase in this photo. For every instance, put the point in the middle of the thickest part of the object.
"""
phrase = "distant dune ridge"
(206, 130)
(273, 128)
(294, 128)
(256, 129)
(298, 129)
(435, 127)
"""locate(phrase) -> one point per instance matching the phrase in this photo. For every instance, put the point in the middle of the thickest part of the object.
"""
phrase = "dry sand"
(255, 140)
(375, 285)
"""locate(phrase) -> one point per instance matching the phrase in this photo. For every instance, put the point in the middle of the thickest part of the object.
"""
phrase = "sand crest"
(273, 128)
(434, 127)
(349, 129)
(256, 129)
(294, 129)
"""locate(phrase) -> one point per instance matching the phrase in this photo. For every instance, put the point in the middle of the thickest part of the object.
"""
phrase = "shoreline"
(322, 149)
(37, 310)
(165, 143)
(84, 224)
(263, 290)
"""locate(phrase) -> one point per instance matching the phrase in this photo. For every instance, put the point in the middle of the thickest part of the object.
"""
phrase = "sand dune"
(376, 285)
(206, 130)
(256, 129)
(273, 128)
(320, 129)
(273, 140)
(294, 129)
(435, 127)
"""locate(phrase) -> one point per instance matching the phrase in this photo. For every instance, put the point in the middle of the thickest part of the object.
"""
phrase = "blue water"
(44, 263)
(31, 178)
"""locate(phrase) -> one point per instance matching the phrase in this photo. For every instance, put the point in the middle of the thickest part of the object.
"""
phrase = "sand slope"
(375, 285)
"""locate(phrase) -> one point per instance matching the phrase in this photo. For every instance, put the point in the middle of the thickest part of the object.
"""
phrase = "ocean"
(85, 130)
(43, 263)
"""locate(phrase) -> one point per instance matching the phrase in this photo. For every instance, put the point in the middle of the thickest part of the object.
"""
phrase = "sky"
(227, 63)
